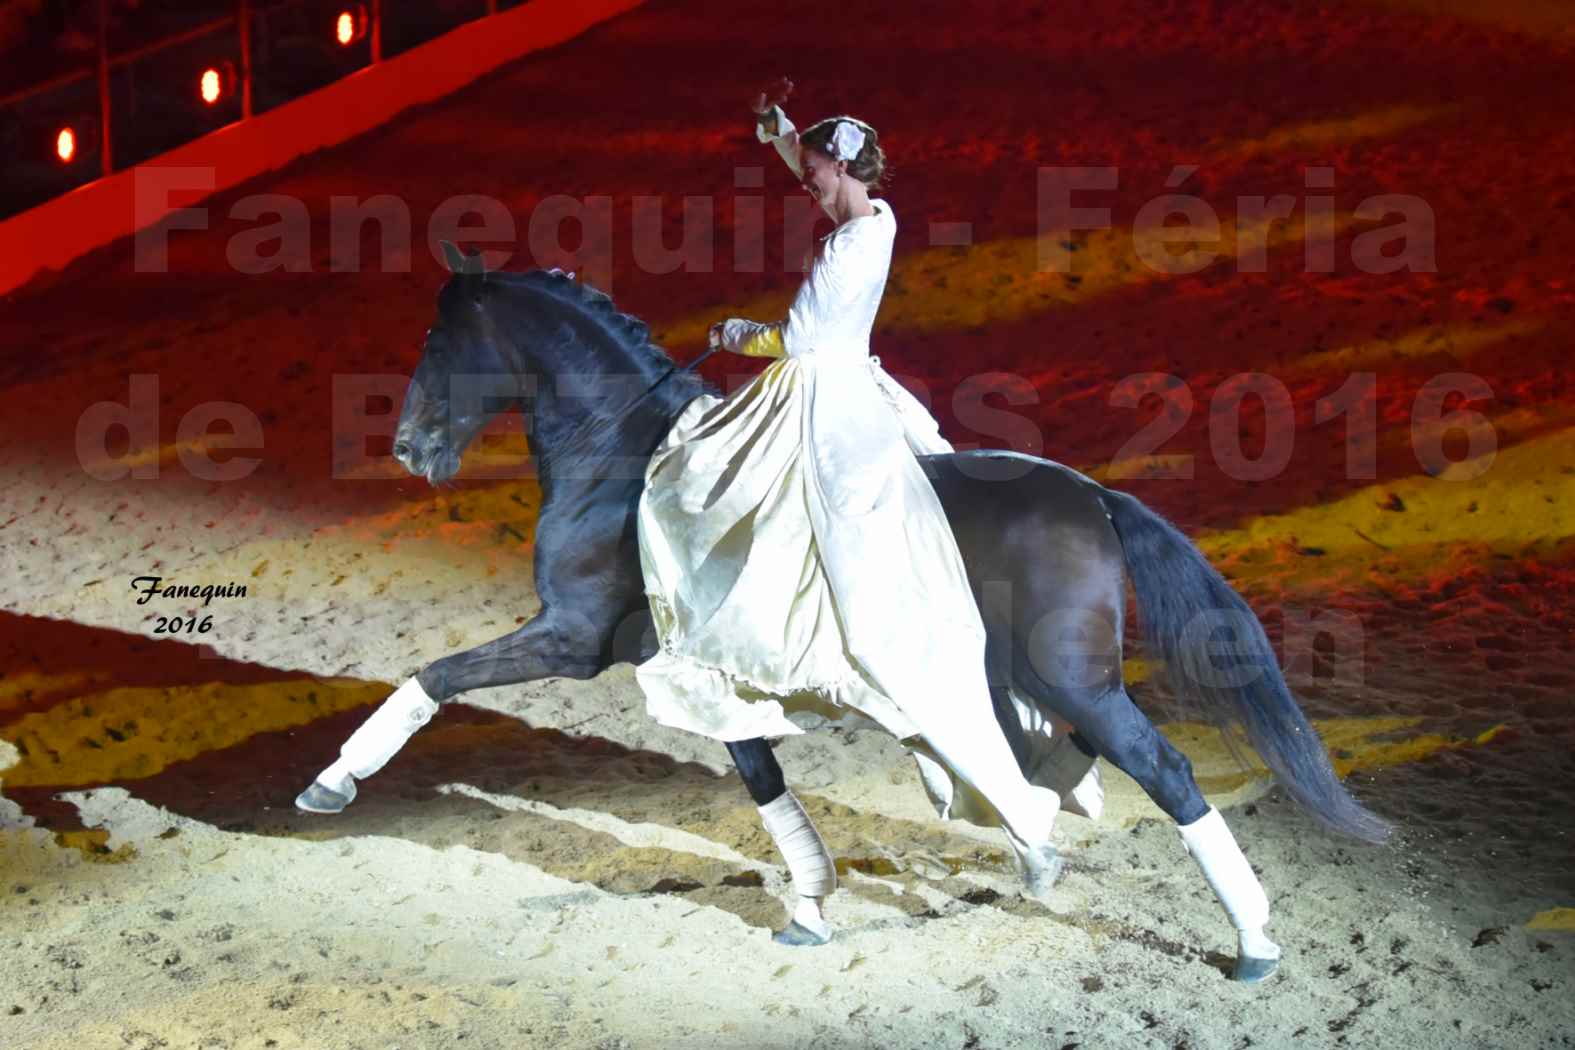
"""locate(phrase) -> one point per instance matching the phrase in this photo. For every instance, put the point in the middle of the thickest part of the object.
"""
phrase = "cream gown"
(796, 557)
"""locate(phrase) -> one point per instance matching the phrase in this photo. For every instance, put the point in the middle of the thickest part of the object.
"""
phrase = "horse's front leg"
(550, 645)
(809, 862)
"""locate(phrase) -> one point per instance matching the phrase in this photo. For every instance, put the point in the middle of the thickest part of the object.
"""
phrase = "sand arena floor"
(545, 867)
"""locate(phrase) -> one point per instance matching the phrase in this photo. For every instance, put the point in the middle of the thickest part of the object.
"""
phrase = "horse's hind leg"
(1121, 733)
(547, 646)
(1113, 726)
(808, 860)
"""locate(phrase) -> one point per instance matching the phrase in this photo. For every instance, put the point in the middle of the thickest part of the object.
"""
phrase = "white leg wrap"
(1088, 797)
(382, 735)
(808, 860)
(1232, 880)
(809, 916)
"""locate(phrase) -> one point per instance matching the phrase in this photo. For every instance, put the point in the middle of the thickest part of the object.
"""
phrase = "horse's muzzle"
(420, 459)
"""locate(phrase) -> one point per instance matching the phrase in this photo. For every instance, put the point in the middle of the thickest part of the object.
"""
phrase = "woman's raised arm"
(773, 126)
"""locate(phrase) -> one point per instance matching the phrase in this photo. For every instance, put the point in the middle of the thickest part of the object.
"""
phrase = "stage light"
(216, 83)
(350, 26)
(66, 145)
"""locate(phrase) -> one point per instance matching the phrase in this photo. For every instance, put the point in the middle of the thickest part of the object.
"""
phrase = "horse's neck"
(549, 421)
(580, 449)
(557, 418)
(590, 435)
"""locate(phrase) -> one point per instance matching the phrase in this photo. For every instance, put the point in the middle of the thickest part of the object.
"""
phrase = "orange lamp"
(350, 25)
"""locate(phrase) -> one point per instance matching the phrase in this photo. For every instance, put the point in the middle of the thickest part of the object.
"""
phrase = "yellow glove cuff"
(765, 343)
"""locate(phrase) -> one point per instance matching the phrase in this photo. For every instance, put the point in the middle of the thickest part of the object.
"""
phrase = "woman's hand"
(774, 94)
(714, 336)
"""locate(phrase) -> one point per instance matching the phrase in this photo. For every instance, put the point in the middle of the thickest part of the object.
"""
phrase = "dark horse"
(1063, 544)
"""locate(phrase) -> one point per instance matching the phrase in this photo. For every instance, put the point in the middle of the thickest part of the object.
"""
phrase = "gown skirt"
(797, 560)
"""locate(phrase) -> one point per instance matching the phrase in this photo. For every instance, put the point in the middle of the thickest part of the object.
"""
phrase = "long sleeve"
(751, 338)
(825, 293)
(785, 138)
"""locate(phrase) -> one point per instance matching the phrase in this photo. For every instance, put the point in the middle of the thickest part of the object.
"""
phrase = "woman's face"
(821, 175)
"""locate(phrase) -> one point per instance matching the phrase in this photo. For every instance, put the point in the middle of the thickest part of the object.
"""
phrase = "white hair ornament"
(847, 140)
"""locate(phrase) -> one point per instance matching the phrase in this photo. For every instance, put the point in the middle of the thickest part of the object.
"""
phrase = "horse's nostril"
(401, 450)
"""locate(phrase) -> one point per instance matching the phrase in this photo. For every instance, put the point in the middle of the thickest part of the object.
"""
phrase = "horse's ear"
(459, 262)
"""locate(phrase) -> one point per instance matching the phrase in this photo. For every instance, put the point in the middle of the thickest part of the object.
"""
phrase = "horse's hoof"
(796, 935)
(1041, 870)
(318, 798)
(1251, 971)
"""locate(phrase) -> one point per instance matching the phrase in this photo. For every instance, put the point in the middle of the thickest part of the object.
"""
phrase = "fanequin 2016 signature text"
(153, 587)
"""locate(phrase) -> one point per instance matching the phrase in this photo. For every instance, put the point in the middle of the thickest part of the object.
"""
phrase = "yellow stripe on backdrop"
(1332, 131)
(135, 732)
(1521, 503)
(1515, 425)
(1356, 745)
(948, 288)
(1560, 920)
(1545, 19)
(1455, 341)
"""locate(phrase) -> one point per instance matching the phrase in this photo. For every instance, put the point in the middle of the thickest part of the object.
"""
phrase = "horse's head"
(468, 373)
(559, 350)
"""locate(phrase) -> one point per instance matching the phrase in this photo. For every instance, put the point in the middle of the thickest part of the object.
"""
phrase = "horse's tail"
(1183, 602)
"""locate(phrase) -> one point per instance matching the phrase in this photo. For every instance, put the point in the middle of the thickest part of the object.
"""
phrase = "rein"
(576, 438)
(676, 368)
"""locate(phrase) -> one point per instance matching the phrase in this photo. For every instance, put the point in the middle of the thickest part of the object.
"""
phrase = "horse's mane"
(632, 333)
(592, 440)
